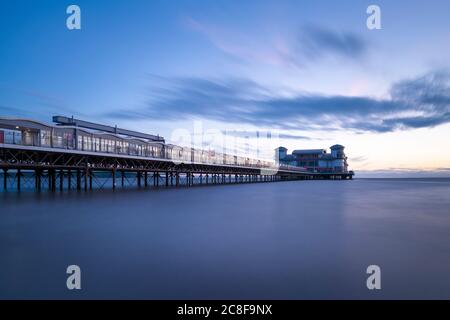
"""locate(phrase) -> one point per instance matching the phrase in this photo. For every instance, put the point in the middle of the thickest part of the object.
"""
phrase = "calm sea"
(287, 240)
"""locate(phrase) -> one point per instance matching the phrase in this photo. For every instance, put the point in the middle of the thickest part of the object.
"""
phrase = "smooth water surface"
(285, 240)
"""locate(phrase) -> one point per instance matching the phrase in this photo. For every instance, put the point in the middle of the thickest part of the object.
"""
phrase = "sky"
(245, 76)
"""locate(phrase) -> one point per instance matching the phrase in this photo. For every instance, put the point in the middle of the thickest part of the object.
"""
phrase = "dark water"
(288, 240)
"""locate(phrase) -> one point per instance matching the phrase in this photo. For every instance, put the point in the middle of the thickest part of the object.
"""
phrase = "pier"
(25, 167)
(80, 155)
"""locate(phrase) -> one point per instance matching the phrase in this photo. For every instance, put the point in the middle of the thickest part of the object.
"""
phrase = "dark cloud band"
(414, 103)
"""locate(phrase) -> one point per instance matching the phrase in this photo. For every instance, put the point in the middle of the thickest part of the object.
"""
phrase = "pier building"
(315, 160)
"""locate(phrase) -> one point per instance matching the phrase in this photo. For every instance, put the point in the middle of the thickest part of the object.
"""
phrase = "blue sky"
(309, 70)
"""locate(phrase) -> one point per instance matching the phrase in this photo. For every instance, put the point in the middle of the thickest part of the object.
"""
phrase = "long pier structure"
(80, 155)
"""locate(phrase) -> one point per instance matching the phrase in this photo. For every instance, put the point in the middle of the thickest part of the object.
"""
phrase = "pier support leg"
(37, 174)
(86, 173)
(138, 175)
(53, 175)
(18, 179)
(69, 179)
(78, 180)
(114, 179)
(123, 177)
(49, 177)
(61, 180)
(5, 179)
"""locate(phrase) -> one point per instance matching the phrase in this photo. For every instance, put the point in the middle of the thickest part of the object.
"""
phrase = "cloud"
(254, 134)
(404, 173)
(316, 42)
(236, 44)
(21, 100)
(309, 44)
(414, 103)
(294, 137)
(359, 159)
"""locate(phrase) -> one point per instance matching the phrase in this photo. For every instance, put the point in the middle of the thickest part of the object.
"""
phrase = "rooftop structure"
(61, 120)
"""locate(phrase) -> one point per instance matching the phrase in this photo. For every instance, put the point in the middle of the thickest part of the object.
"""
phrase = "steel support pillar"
(37, 173)
(69, 179)
(86, 173)
(61, 180)
(138, 175)
(18, 179)
(53, 180)
(78, 179)
(113, 173)
(5, 179)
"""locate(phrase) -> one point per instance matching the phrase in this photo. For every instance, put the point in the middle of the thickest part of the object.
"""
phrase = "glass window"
(45, 138)
(68, 140)
(96, 144)
(80, 142)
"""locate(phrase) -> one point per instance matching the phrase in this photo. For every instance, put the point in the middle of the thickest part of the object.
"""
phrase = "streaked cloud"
(309, 44)
(315, 42)
(414, 103)
(407, 173)
(245, 134)
(358, 159)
